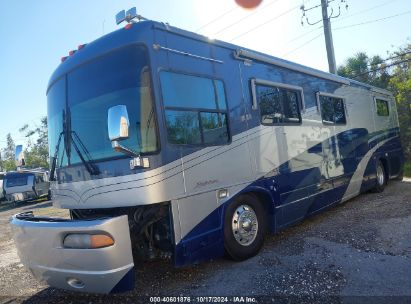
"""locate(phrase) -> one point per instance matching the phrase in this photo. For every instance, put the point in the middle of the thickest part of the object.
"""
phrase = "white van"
(1, 185)
(25, 185)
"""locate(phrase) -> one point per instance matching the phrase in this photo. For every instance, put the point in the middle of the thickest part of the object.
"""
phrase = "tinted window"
(185, 99)
(278, 105)
(183, 127)
(382, 107)
(332, 110)
(16, 181)
(188, 91)
(214, 126)
(55, 113)
(121, 77)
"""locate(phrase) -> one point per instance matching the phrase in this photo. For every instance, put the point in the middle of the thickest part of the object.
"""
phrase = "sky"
(36, 34)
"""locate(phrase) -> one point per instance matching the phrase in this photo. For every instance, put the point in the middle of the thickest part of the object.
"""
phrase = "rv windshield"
(78, 104)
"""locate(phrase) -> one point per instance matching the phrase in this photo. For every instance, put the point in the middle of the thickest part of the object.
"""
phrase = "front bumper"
(39, 243)
(21, 196)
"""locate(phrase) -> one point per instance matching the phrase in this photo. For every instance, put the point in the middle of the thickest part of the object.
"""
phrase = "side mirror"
(19, 156)
(118, 123)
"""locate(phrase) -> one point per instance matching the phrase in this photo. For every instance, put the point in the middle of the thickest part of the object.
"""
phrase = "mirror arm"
(120, 148)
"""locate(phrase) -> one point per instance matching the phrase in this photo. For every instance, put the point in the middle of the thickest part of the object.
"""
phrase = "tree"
(37, 150)
(365, 69)
(400, 84)
(8, 162)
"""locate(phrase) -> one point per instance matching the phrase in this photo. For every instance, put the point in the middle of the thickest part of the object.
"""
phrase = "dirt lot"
(359, 249)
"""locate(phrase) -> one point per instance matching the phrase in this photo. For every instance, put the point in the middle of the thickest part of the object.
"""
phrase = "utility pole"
(326, 19)
(328, 38)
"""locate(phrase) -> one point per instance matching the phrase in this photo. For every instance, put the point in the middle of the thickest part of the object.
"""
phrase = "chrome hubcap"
(380, 175)
(244, 225)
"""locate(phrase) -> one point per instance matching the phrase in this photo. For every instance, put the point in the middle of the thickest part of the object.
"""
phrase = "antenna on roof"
(128, 16)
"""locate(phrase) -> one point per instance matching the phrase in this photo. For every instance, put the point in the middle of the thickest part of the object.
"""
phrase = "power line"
(217, 18)
(246, 17)
(304, 44)
(366, 10)
(380, 63)
(343, 27)
(390, 58)
(342, 18)
(262, 24)
(381, 68)
(372, 21)
(305, 34)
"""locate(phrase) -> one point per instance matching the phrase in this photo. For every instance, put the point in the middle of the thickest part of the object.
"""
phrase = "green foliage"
(8, 165)
(366, 69)
(407, 169)
(397, 79)
(7, 161)
(400, 84)
(36, 151)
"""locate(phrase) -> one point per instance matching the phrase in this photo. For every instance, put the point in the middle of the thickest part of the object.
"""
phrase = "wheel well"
(268, 206)
(265, 200)
(386, 169)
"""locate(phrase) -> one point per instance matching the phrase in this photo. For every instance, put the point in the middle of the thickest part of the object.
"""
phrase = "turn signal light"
(87, 241)
(101, 240)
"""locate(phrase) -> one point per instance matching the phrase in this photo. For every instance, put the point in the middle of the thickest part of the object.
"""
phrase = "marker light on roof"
(71, 53)
(64, 58)
(129, 25)
(81, 46)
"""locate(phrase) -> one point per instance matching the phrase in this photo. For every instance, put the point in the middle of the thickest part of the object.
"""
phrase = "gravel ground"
(350, 254)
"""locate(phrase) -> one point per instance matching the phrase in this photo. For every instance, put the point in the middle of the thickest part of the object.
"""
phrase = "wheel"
(244, 227)
(381, 178)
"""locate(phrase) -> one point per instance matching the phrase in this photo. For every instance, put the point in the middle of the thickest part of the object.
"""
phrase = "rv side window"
(382, 107)
(332, 110)
(278, 105)
(195, 109)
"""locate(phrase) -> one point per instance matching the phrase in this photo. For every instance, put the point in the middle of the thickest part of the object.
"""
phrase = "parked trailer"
(170, 144)
(1, 186)
(26, 185)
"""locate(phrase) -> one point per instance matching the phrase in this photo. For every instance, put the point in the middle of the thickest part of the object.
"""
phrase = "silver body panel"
(40, 248)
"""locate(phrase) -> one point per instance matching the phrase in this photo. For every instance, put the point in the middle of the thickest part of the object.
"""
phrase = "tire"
(381, 180)
(49, 195)
(244, 227)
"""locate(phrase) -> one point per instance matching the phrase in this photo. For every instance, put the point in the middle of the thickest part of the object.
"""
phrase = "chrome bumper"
(39, 243)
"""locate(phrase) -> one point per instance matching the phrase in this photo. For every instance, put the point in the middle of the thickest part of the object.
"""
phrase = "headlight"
(87, 241)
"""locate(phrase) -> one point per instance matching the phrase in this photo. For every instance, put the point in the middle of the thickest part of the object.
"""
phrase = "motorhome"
(165, 143)
(1, 186)
(26, 185)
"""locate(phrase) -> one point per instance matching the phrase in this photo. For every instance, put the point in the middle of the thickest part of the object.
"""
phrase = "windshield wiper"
(54, 158)
(70, 137)
(89, 163)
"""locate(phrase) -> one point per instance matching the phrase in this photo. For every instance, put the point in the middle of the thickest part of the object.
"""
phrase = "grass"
(407, 169)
